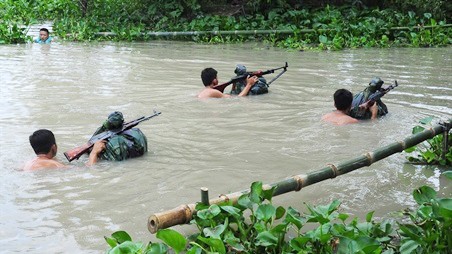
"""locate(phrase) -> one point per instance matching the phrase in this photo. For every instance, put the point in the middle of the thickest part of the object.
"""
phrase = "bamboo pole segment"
(254, 32)
(205, 195)
(184, 213)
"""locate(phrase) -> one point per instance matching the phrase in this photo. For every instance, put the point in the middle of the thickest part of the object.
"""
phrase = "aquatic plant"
(255, 225)
(430, 151)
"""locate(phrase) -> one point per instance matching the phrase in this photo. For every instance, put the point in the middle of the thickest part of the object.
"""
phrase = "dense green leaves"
(431, 150)
(330, 27)
(225, 229)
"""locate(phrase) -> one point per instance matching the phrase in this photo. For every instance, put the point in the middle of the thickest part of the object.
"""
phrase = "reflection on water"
(220, 144)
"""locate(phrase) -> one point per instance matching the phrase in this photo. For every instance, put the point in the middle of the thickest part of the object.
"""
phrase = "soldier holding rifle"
(113, 140)
(244, 83)
(364, 105)
(210, 79)
(343, 102)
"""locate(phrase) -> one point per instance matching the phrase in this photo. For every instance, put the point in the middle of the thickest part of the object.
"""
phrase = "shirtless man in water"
(343, 102)
(44, 145)
(209, 79)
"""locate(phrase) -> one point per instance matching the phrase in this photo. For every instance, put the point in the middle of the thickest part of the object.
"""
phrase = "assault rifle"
(376, 96)
(79, 151)
(221, 87)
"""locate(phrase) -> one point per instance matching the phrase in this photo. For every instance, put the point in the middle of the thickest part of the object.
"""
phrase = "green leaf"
(369, 216)
(343, 216)
(172, 238)
(121, 236)
(417, 129)
(216, 244)
(429, 156)
(265, 212)
(448, 174)
(209, 213)
(111, 241)
(157, 248)
(367, 244)
(245, 202)
(424, 194)
(410, 149)
(130, 247)
(293, 216)
(193, 250)
(424, 212)
(280, 211)
(411, 231)
(279, 229)
(323, 39)
(214, 232)
(445, 207)
(266, 238)
(234, 211)
(268, 194)
(233, 241)
(408, 247)
(256, 192)
(347, 246)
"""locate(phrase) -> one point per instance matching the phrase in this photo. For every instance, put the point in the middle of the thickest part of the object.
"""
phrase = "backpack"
(129, 144)
(260, 87)
(362, 97)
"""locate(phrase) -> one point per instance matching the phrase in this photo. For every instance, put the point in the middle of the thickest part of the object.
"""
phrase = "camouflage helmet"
(114, 121)
(240, 69)
(375, 84)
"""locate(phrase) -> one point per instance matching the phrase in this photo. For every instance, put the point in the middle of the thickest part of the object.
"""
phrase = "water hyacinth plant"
(255, 225)
(430, 151)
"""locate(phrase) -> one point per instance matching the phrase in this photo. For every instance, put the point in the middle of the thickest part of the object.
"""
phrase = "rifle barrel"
(221, 87)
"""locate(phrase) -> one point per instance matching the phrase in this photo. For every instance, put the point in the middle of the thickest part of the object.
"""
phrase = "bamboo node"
(370, 158)
(402, 144)
(224, 197)
(335, 170)
(433, 131)
(299, 182)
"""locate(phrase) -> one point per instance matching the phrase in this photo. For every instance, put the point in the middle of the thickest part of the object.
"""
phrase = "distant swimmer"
(210, 79)
(43, 143)
(44, 37)
(343, 102)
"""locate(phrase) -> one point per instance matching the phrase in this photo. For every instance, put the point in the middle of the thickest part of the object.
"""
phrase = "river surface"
(221, 144)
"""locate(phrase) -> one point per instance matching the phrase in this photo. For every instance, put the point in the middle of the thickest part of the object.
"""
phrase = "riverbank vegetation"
(433, 151)
(304, 24)
(255, 225)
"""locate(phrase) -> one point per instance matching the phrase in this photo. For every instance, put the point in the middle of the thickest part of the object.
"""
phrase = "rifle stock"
(80, 150)
(221, 87)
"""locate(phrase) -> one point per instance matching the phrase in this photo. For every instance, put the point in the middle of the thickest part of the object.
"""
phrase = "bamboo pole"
(184, 213)
(254, 32)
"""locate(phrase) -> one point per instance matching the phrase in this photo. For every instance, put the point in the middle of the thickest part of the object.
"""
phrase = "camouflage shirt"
(129, 144)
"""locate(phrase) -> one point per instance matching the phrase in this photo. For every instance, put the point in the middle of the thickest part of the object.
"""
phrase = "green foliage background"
(337, 24)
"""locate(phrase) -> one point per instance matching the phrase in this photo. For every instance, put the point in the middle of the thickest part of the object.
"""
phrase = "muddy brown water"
(221, 144)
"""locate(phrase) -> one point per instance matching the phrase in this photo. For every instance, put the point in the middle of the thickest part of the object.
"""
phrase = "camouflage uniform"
(360, 98)
(260, 87)
(129, 144)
